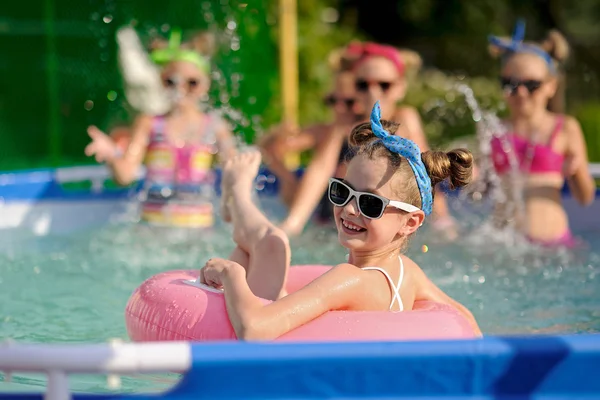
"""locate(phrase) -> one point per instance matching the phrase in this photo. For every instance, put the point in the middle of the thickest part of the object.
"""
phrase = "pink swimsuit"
(536, 159)
(177, 178)
(540, 157)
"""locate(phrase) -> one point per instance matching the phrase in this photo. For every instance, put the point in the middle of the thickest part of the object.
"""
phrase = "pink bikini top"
(168, 164)
(533, 158)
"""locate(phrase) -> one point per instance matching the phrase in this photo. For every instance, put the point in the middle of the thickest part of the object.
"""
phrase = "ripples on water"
(73, 288)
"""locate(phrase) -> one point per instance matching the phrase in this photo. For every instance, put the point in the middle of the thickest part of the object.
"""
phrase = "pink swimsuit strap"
(541, 157)
(565, 240)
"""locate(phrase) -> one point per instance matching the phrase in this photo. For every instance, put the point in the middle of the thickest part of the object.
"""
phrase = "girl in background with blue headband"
(548, 146)
(177, 147)
(381, 202)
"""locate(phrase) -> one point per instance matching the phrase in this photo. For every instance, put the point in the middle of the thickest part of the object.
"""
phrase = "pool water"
(73, 287)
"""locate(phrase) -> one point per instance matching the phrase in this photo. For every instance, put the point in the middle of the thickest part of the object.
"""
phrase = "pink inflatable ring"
(174, 306)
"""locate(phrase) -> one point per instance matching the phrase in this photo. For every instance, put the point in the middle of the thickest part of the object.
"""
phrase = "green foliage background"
(60, 54)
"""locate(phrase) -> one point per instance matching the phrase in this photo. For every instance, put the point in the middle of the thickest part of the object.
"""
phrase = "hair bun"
(556, 45)
(457, 165)
(411, 59)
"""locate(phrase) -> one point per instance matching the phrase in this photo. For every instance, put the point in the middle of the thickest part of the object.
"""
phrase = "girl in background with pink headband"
(381, 74)
(548, 146)
(177, 148)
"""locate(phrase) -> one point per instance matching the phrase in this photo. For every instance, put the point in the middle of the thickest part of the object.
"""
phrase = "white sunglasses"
(370, 205)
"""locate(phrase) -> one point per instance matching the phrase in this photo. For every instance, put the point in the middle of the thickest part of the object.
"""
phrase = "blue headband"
(409, 150)
(516, 45)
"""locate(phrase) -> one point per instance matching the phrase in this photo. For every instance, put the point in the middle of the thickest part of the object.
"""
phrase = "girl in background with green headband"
(178, 147)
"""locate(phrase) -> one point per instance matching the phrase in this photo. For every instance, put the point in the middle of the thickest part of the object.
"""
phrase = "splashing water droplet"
(330, 15)
(107, 19)
(111, 96)
(88, 105)
(235, 44)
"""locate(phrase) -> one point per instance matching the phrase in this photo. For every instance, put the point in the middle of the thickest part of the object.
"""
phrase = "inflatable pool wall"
(551, 367)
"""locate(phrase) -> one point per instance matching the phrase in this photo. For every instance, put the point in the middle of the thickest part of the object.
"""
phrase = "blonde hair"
(413, 62)
(556, 45)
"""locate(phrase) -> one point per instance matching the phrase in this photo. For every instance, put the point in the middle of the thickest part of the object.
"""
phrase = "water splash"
(507, 194)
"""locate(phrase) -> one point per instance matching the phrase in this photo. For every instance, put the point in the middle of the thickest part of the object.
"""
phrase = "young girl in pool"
(177, 148)
(548, 146)
(382, 73)
(383, 199)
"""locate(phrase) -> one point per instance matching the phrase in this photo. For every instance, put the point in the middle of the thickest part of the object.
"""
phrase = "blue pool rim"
(510, 368)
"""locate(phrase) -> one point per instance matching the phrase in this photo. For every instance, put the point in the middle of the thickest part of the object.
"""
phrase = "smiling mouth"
(351, 228)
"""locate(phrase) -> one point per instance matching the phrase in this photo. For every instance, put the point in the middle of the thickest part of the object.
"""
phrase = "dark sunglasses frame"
(332, 100)
(362, 85)
(191, 83)
(511, 85)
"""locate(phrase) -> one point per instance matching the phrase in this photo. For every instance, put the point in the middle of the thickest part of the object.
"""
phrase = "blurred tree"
(450, 35)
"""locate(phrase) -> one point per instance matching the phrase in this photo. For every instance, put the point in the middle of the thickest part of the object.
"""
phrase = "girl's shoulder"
(404, 112)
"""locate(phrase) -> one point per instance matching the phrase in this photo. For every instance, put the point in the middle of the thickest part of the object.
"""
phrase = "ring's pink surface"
(167, 307)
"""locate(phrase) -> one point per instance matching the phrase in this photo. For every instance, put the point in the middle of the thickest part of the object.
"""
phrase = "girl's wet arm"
(252, 320)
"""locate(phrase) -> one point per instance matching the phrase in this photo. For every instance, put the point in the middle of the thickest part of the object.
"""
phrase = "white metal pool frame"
(57, 361)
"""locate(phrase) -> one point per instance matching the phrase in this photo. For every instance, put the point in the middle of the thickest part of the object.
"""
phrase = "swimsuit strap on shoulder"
(395, 288)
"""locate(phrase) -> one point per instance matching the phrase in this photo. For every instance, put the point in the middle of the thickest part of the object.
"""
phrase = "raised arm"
(314, 181)
(226, 141)
(125, 166)
(576, 167)
(283, 139)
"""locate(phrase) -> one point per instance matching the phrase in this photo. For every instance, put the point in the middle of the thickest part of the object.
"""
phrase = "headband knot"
(174, 52)
(411, 152)
(515, 45)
